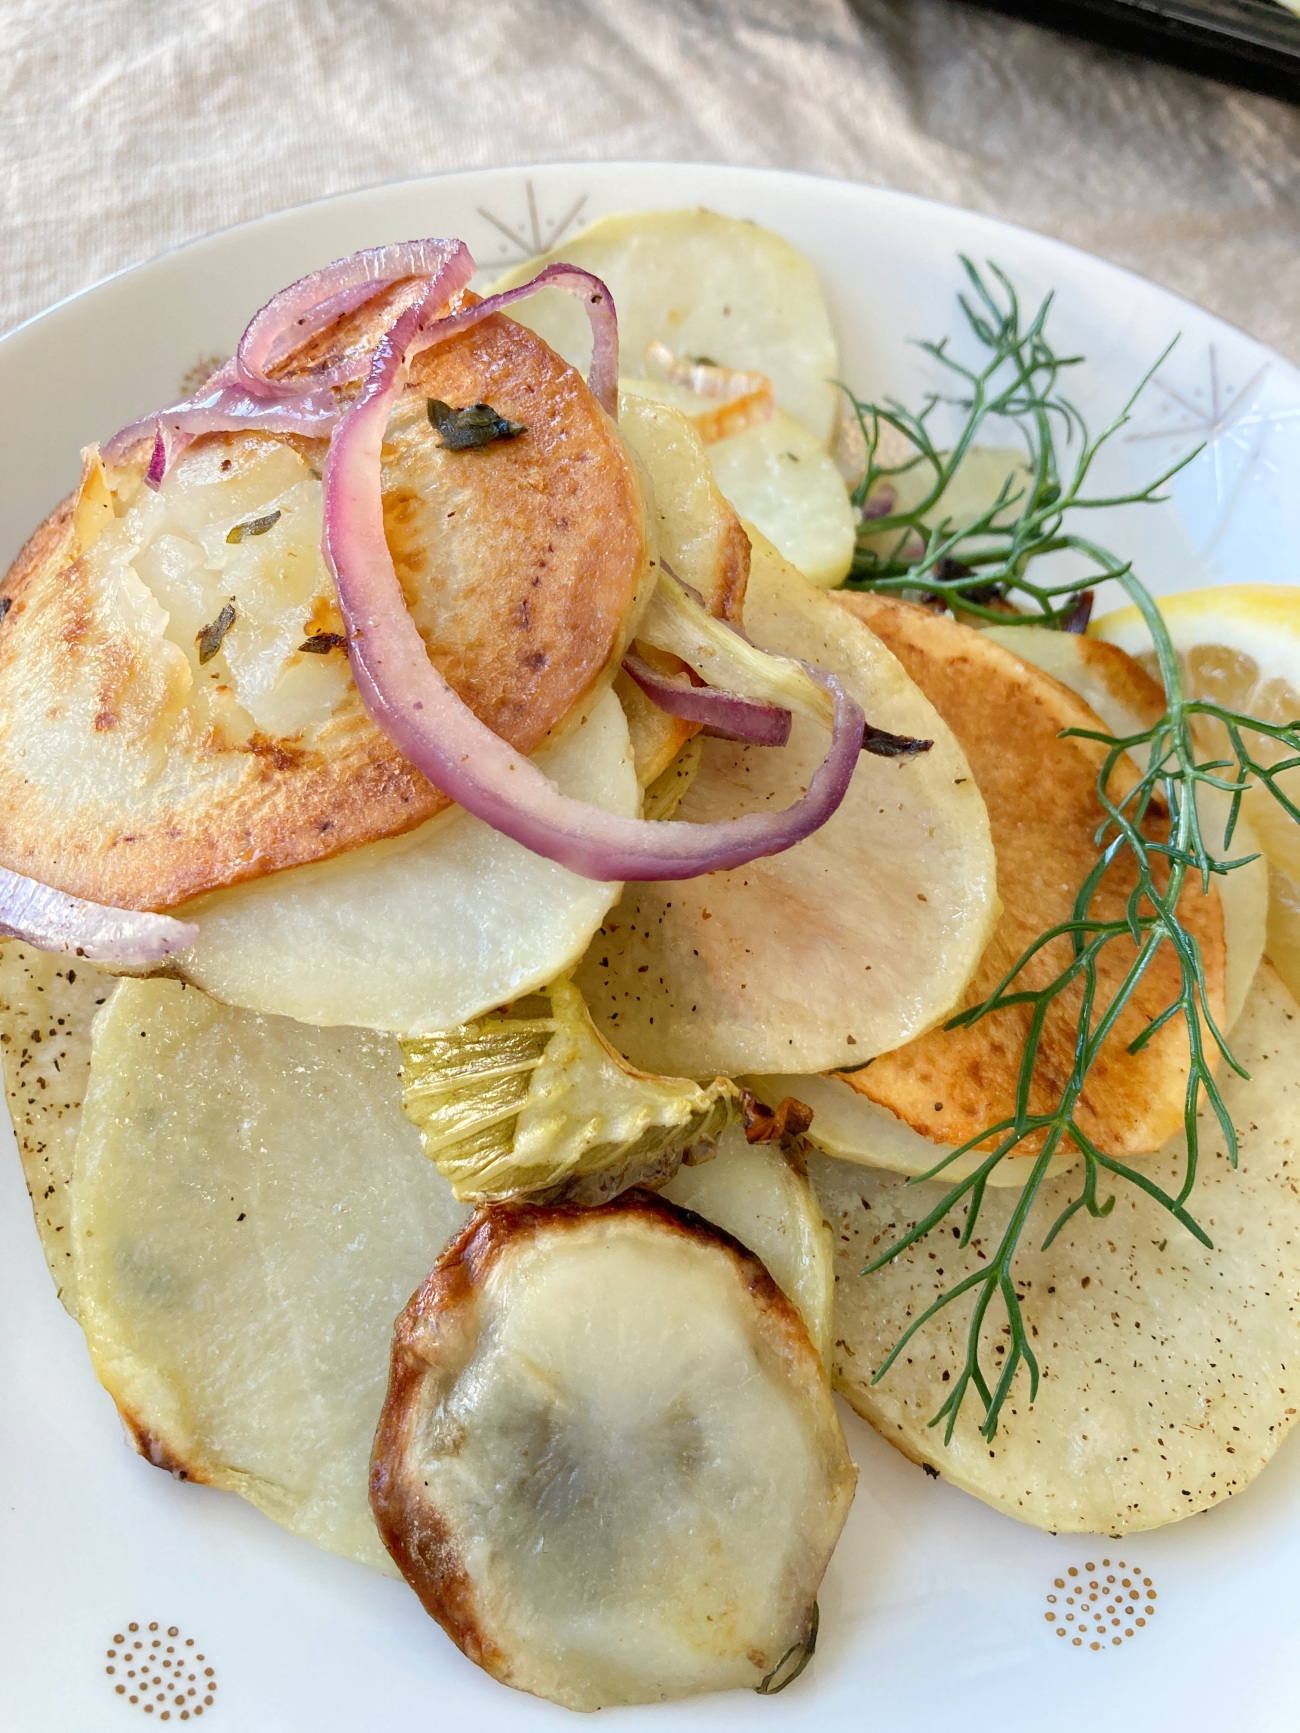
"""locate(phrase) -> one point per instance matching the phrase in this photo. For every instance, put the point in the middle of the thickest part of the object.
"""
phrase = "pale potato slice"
(1044, 812)
(421, 932)
(848, 1125)
(698, 536)
(1129, 701)
(706, 286)
(251, 1211)
(842, 947)
(47, 1004)
(609, 1463)
(781, 480)
(141, 767)
(759, 1194)
(1168, 1371)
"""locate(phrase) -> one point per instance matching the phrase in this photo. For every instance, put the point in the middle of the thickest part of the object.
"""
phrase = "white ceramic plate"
(935, 1610)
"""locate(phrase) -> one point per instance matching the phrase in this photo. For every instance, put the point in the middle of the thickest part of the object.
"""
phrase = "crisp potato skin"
(554, 543)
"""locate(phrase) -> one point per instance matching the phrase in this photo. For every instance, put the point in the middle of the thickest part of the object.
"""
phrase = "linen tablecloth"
(131, 125)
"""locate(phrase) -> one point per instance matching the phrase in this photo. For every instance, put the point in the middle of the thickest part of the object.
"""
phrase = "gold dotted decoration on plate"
(161, 1672)
(1100, 1606)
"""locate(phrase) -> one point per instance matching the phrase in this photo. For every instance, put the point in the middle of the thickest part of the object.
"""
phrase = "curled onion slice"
(240, 396)
(721, 714)
(602, 375)
(408, 698)
(51, 920)
(307, 306)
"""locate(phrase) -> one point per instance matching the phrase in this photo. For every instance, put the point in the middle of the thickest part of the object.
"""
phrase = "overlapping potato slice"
(1129, 701)
(534, 1102)
(609, 1463)
(848, 1125)
(843, 946)
(165, 767)
(951, 1084)
(47, 1004)
(759, 1193)
(779, 478)
(1169, 1372)
(698, 536)
(251, 1210)
(424, 931)
(708, 287)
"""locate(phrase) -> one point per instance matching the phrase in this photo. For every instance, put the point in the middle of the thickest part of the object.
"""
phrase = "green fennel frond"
(983, 567)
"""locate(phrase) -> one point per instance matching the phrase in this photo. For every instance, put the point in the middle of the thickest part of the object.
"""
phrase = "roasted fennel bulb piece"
(535, 1102)
(609, 1463)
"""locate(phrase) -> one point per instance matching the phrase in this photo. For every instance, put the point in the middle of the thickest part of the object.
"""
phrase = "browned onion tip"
(51, 920)
(719, 713)
(880, 743)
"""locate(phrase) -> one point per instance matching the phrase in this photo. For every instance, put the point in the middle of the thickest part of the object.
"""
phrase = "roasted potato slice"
(700, 538)
(708, 287)
(1169, 1372)
(425, 931)
(759, 1194)
(251, 1210)
(780, 479)
(165, 767)
(1041, 794)
(842, 947)
(609, 1463)
(47, 1005)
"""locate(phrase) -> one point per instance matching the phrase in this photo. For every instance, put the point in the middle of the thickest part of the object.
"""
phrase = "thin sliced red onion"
(240, 398)
(52, 920)
(724, 715)
(602, 375)
(307, 306)
(408, 698)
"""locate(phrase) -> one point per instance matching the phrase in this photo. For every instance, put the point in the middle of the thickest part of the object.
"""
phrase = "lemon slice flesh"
(1239, 646)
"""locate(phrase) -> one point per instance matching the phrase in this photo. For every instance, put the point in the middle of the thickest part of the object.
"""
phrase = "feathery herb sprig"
(975, 566)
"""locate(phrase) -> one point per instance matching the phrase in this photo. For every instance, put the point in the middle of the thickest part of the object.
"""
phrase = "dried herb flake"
(321, 643)
(882, 744)
(471, 428)
(213, 635)
(256, 526)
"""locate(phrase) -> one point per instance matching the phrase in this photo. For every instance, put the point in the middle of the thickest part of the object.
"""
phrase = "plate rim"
(742, 171)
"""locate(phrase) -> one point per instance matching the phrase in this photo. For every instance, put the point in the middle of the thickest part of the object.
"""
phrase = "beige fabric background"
(130, 125)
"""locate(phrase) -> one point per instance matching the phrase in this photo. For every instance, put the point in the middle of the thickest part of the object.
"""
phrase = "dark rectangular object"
(1254, 43)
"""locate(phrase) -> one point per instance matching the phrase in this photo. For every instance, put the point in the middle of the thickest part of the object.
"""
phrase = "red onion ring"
(721, 714)
(240, 397)
(52, 920)
(602, 374)
(410, 701)
(308, 305)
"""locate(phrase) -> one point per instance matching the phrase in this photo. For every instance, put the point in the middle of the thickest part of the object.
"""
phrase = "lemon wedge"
(1239, 646)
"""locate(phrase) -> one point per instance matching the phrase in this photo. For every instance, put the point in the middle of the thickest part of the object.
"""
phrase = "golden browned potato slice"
(139, 774)
(609, 1463)
(846, 945)
(1043, 810)
(251, 1210)
(47, 1004)
(1169, 1372)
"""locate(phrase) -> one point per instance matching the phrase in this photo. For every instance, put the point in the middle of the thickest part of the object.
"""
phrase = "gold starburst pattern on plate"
(160, 1672)
(532, 233)
(1100, 1606)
